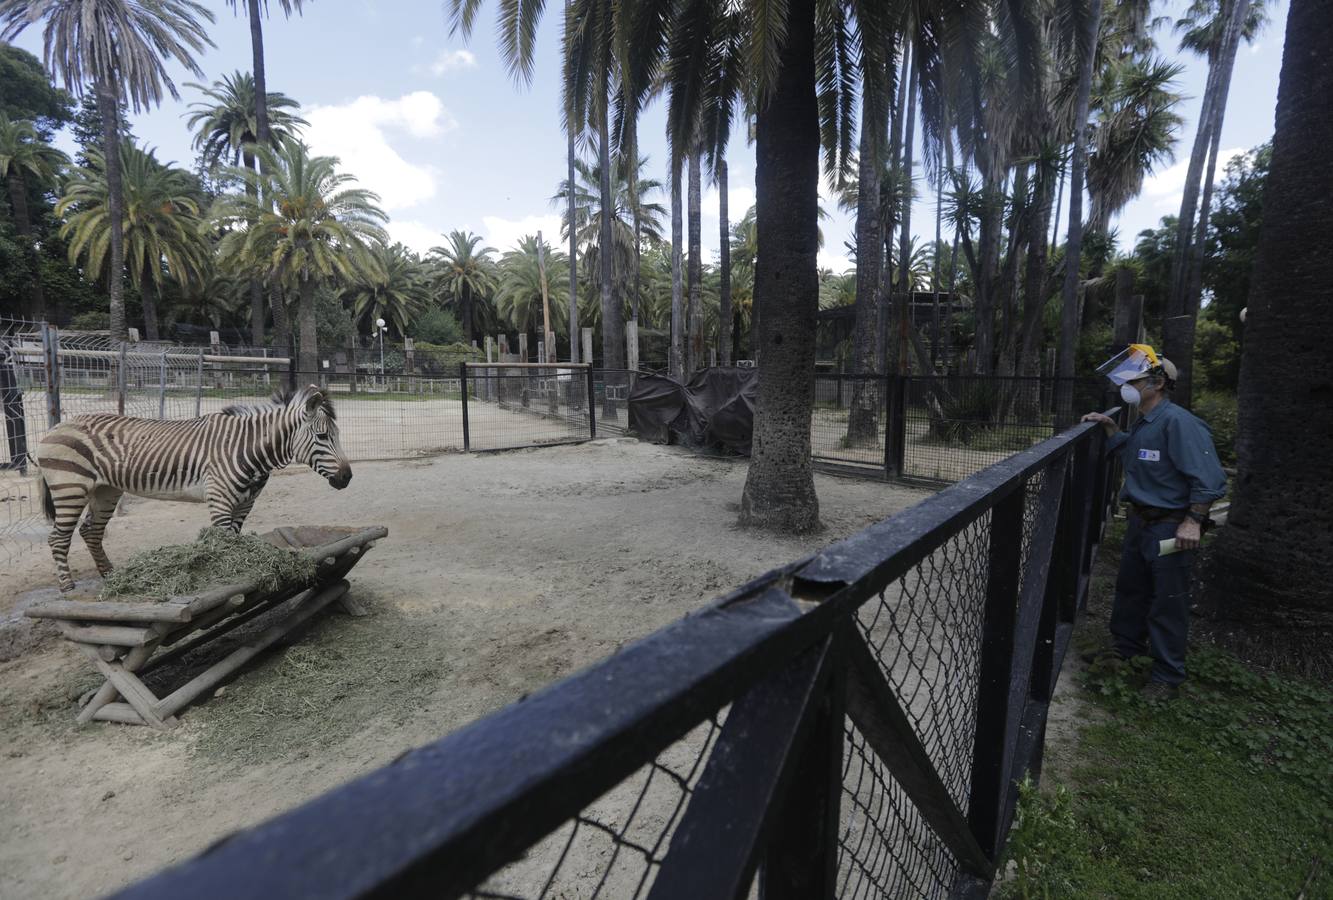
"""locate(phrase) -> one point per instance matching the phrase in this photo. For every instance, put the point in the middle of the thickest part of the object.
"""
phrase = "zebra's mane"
(280, 398)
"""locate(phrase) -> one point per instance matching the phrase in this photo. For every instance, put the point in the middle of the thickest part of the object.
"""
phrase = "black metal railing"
(852, 724)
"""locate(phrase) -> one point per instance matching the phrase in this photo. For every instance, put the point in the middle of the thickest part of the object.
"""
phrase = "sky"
(438, 128)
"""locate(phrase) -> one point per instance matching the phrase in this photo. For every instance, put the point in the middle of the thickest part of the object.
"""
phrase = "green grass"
(1225, 792)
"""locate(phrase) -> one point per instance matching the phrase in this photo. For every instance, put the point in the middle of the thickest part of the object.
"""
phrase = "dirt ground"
(501, 573)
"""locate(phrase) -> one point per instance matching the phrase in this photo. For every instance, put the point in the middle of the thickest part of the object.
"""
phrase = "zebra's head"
(316, 440)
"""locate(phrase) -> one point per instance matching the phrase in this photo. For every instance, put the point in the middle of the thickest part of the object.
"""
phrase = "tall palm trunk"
(677, 282)
(282, 321)
(1271, 566)
(148, 297)
(108, 97)
(695, 352)
(1074, 244)
(18, 199)
(904, 298)
(779, 486)
(613, 317)
(863, 417)
(256, 286)
(574, 333)
(725, 330)
(281, 326)
(631, 157)
(885, 300)
(1180, 347)
(308, 359)
(465, 314)
(1034, 286)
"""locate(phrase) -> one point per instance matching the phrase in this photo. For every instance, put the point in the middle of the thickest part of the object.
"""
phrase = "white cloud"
(1164, 189)
(415, 235)
(835, 262)
(359, 133)
(739, 200)
(451, 60)
(503, 234)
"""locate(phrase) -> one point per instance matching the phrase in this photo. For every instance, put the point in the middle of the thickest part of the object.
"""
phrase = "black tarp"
(714, 410)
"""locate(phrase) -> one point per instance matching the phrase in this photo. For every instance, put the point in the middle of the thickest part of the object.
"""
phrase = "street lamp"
(380, 327)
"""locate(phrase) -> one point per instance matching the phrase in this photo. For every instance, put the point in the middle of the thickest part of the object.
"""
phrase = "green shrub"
(437, 326)
(1216, 357)
(443, 359)
(1218, 409)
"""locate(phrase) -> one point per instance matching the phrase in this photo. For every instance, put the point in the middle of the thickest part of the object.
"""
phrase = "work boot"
(1159, 692)
(1106, 656)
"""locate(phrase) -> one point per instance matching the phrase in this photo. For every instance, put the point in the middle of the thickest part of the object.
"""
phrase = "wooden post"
(51, 360)
(523, 347)
(122, 378)
(462, 384)
(587, 346)
(490, 342)
(632, 347)
(546, 305)
(162, 386)
(199, 387)
(215, 346)
(409, 355)
(134, 335)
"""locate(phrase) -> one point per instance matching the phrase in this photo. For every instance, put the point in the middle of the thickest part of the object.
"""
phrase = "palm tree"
(726, 315)
(24, 157)
(263, 125)
(397, 290)
(161, 224)
(226, 124)
(518, 293)
(466, 274)
(317, 228)
(120, 48)
(677, 363)
(1212, 28)
(694, 270)
(1272, 581)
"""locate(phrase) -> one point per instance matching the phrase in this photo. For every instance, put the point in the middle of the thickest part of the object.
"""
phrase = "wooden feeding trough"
(126, 641)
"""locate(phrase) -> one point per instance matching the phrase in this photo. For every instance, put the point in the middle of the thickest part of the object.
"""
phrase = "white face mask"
(1130, 394)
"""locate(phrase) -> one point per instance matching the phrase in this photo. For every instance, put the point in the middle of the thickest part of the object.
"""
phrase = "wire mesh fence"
(864, 742)
(525, 406)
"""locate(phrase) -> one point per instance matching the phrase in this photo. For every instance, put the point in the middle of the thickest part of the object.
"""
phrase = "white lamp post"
(380, 327)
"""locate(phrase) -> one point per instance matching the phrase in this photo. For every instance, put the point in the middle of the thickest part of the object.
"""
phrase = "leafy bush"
(90, 321)
(1218, 409)
(963, 417)
(443, 359)
(437, 326)
(1216, 357)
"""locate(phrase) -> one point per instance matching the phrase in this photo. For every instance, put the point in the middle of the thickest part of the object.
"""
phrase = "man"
(1172, 478)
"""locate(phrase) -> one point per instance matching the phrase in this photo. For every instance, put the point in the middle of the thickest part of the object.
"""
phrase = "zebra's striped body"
(223, 459)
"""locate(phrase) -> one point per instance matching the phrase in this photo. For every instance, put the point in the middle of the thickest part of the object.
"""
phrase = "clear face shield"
(1130, 364)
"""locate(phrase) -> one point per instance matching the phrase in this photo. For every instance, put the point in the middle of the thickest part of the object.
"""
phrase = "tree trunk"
(465, 313)
(1182, 354)
(1074, 244)
(108, 98)
(282, 322)
(256, 286)
(904, 299)
(1271, 566)
(884, 302)
(724, 314)
(573, 256)
(1059, 201)
(989, 231)
(779, 486)
(18, 199)
(863, 417)
(677, 282)
(282, 333)
(695, 353)
(1034, 290)
(148, 297)
(308, 360)
(613, 317)
(631, 157)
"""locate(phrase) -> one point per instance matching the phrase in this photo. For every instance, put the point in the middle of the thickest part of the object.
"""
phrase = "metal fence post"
(162, 386)
(462, 383)
(16, 425)
(51, 360)
(592, 404)
(291, 363)
(122, 378)
(199, 388)
(990, 755)
(895, 431)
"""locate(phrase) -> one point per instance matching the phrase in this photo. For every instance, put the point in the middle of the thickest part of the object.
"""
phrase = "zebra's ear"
(313, 400)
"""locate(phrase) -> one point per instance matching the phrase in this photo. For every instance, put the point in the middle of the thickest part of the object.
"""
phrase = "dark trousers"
(1152, 594)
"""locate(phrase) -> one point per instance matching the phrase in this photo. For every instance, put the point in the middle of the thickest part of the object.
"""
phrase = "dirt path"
(501, 574)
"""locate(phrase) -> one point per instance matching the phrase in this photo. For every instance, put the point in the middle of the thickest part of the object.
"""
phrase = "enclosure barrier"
(850, 725)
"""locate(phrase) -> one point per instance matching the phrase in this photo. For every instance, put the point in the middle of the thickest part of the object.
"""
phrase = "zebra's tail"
(48, 503)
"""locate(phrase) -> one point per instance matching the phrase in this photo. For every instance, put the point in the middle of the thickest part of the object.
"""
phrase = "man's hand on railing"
(1108, 424)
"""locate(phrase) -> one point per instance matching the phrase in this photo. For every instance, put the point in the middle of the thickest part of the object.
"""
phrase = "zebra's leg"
(69, 507)
(222, 503)
(100, 510)
(247, 502)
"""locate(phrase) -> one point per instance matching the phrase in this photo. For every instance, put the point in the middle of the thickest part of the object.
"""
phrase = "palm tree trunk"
(261, 83)
(18, 199)
(695, 354)
(1074, 244)
(1034, 287)
(308, 360)
(108, 97)
(465, 314)
(677, 282)
(779, 486)
(1059, 201)
(256, 286)
(1183, 353)
(885, 299)
(613, 317)
(148, 297)
(725, 329)
(904, 299)
(863, 417)
(282, 322)
(1271, 566)
(631, 156)
(574, 333)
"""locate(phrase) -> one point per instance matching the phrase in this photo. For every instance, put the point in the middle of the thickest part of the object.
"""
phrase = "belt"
(1152, 514)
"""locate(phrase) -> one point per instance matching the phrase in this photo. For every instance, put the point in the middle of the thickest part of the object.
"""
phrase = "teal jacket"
(1169, 459)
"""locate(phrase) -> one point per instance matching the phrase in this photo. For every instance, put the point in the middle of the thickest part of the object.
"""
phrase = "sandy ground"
(502, 573)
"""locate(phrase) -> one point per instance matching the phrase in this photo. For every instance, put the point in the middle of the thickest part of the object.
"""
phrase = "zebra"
(223, 459)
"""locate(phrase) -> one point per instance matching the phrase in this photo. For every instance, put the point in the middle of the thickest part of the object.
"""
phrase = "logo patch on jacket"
(1150, 455)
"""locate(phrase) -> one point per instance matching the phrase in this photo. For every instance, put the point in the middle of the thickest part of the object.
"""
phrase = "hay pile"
(218, 557)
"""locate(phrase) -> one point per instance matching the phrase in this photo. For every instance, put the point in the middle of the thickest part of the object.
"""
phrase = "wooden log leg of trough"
(214, 675)
(134, 691)
(107, 692)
